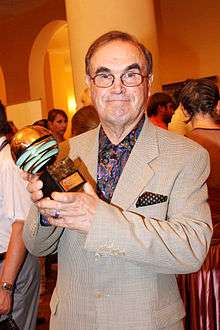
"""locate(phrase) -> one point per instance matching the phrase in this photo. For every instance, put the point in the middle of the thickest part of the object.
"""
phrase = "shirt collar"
(128, 141)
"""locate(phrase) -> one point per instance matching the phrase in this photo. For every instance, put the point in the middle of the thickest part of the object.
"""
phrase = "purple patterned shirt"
(112, 159)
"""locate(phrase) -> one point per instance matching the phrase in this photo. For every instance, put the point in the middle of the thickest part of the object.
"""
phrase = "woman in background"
(57, 123)
(201, 291)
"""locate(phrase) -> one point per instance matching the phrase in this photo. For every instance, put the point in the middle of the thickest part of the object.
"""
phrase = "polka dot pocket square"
(149, 198)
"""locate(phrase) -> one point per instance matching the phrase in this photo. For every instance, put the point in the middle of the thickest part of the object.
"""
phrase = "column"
(88, 19)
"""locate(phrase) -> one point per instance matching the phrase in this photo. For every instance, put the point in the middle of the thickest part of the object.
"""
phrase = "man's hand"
(34, 186)
(5, 301)
(72, 210)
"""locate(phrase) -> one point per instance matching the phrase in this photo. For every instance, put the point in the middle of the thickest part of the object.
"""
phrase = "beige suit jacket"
(122, 274)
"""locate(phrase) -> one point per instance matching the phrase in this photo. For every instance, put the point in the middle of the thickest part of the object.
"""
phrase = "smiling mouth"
(118, 100)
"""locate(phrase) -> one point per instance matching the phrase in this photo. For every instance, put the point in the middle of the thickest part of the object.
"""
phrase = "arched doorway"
(50, 70)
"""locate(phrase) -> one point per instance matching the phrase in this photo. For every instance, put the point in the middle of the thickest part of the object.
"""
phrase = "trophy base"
(62, 176)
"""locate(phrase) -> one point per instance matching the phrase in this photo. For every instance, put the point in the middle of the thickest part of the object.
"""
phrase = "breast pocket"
(156, 211)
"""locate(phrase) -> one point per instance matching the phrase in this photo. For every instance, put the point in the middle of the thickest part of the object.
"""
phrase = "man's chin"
(118, 108)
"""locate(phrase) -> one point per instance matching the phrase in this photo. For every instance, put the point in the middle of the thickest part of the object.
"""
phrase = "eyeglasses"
(128, 79)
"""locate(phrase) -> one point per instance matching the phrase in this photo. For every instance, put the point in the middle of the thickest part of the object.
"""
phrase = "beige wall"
(17, 35)
(188, 38)
(3, 96)
(62, 83)
(188, 35)
(48, 85)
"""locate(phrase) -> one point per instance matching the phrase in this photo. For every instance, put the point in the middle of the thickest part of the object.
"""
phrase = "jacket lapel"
(89, 152)
(137, 171)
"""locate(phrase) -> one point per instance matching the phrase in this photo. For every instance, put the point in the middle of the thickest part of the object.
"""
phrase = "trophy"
(34, 150)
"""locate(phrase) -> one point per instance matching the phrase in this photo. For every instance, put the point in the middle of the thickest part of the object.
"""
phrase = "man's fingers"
(35, 185)
(70, 197)
(65, 197)
(36, 196)
(28, 176)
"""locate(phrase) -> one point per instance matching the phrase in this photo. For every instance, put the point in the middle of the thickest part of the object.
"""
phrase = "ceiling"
(11, 8)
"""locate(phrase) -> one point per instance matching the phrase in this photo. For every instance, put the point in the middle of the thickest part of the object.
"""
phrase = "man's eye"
(130, 74)
(104, 76)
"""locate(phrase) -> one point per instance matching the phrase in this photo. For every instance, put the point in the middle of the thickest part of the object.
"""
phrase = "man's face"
(119, 105)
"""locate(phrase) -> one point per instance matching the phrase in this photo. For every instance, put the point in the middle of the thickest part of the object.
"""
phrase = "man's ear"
(150, 82)
(151, 79)
(88, 81)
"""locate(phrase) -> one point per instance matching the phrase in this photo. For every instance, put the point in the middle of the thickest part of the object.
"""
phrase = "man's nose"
(117, 86)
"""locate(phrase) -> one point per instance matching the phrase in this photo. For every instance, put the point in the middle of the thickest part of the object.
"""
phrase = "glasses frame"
(121, 78)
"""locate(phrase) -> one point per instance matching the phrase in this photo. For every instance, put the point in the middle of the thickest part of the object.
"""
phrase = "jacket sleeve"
(40, 240)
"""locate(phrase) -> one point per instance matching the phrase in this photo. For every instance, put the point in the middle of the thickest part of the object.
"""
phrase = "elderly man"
(142, 219)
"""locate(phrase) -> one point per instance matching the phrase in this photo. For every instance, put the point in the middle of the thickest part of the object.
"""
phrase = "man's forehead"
(117, 53)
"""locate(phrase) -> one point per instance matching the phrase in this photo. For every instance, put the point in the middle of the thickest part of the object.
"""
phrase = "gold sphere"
(32, 143)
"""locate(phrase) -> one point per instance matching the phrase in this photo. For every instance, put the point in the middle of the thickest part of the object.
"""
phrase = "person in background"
(218, 111)
(12, 129)
(86, 97)
(160, 109)
(85, 119)
(19, 270)
(200, 291)
(178, 122)
(143, 215)
(41, 122)
(57, 123)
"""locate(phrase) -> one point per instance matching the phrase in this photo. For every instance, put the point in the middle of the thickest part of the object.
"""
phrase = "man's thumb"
(88, 189)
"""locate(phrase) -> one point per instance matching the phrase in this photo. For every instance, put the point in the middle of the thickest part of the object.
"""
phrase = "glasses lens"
(103, 80)
(132, 79)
